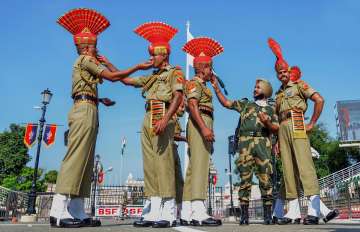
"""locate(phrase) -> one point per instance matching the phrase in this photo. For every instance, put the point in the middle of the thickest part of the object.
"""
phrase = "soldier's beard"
(259, 97)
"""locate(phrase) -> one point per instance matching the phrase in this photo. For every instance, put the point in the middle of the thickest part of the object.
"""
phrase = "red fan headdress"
(203, 49)
(158, 34)
(295, 73)
(280, 62)
(84, 24)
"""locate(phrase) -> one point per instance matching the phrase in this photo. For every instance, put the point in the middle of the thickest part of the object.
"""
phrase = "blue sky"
(321, 37)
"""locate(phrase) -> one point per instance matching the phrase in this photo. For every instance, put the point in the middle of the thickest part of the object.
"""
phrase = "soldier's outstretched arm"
(121, 74)
(220, 96)
(318, 107)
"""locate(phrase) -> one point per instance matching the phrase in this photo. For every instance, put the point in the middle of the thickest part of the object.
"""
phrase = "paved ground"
(114, 226)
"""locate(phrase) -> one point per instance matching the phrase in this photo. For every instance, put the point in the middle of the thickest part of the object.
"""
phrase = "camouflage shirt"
(85, 76)
(161, 84)
(196, 88)
(293, 96)
(249, 115)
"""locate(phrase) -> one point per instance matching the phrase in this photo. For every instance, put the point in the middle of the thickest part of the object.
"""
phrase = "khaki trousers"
(197, 173)
(158, 160)
(76, 170)
(297, 161)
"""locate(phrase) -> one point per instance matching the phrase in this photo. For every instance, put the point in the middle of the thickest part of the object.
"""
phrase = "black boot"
(244, 219)
(267, 215)
(333, 214)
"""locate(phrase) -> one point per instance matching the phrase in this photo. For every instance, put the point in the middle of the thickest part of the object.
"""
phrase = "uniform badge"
(288, 93)
(190, 87)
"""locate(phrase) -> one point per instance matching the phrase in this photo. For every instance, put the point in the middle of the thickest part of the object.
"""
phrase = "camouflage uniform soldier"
(291, 105)
(74, 179)
(163, 91)
(258, 121)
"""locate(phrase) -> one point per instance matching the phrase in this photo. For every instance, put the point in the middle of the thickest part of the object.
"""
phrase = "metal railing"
(340, 176)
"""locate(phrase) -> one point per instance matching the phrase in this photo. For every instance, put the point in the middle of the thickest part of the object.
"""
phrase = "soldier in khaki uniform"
(179, 180)
(74, 179)
(199, 133)
(291, 105)
(163, 91)
(257, 122)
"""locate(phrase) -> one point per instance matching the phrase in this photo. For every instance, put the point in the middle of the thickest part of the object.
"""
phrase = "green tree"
(51, 176)
(23, 181)
(13, 152)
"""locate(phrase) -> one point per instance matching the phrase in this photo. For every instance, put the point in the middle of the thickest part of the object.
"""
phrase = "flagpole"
(187, 77)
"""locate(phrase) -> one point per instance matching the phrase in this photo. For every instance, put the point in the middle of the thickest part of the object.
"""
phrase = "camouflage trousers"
(254, 156)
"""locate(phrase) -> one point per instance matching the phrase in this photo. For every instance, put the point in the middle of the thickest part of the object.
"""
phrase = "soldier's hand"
(160, 126)
(276, 149)
(145, 66)
(264, 118)
(213, 81)
(309, 127)
(106, 101)
(208, 134)
(103, 59)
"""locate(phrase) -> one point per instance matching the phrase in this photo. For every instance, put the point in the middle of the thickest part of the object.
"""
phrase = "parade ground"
(126, 225)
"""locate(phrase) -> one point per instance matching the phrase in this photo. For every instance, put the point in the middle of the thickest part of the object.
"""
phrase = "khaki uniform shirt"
(249, 115)
(197, 89)
(293, 96)
(86, 76)
(161, 84)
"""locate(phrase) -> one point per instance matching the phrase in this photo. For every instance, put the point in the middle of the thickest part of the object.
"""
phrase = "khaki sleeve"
(306, 90)
(193, 90)
(140, 81)
(177, 81)
(92, 65)
(238, 105)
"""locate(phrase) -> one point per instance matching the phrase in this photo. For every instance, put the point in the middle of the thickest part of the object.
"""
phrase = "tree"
(13, 152)
(23, 181)
(51, 176)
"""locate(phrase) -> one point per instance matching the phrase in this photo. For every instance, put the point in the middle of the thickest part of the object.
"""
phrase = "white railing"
(340, 176)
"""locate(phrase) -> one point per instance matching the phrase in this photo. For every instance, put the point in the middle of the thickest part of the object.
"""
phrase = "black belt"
(208, 113)
(85, 97)
(254, 133)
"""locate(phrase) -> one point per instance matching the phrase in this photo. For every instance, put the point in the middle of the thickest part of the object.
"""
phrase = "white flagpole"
(187, 77)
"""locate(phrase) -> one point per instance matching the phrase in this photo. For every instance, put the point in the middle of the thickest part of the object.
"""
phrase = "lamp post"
(95, 179)
(231, 152)
(46, 97)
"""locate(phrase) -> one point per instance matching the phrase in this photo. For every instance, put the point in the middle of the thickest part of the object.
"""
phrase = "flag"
(189, 36)
(123, 145)
(49, 134)
(101, 177)
(30, 134)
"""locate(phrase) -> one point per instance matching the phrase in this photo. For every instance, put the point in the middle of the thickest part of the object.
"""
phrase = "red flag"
(214, 179)
(100, 177)
(49, 134)
(30, 134)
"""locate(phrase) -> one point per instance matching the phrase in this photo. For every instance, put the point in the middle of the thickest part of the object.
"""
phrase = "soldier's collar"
(199, 80)
(166, 68)
(262, 102)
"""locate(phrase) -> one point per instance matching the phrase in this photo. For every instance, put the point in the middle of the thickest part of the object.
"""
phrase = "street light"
(46, 97)
(232, 151)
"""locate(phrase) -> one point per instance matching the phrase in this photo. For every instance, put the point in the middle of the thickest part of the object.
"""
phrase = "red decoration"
(30, 134)
(214, 180)
(280, 62)
(49, 134)
(84, 24)
(158, 34)
(100, 177)
(203, 49)
(295, 73)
